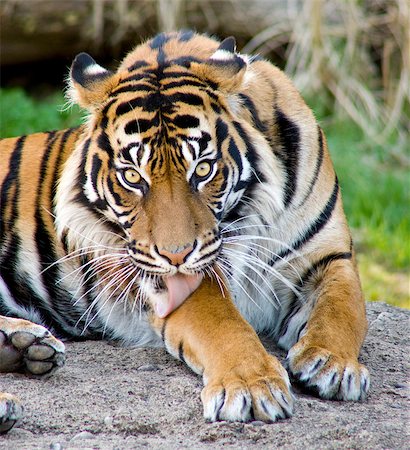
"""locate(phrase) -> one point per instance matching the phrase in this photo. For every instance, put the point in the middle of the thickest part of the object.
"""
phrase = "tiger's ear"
(225, 67)
(89, 83)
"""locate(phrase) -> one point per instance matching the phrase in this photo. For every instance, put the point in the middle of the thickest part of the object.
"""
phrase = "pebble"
(83, 435)
(257, 423)
(108, 421)
(56, 446)
(22, 433)
(148, 368)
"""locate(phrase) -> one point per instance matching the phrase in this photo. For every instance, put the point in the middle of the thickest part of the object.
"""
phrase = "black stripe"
(315, 227)
(46, 249)
(183, 82)
(251, 154)
(19, 286)
(163, 329)
(104, 117)
(203, 141)
(236, 156)
(189, 99)
(21, 291)
(206, 256)
(296, 304)
(104, 143)
(81, 178)
(250, 106)
(57, 171)
(96, 165)
(130, 105)
(289, 135)
(318, 165)
(322, 263)
(216, 108)
(140, 87)
(221, 131)
(151, 102)
(9, 181)
(181, 352)
(180, 74)
(141, 125)
(185, 121)
(256, 178)
(185, 35)
(161, 59)
(146, 76)
(137, 65)
(159, 40)
(126, 151)
(117, 197)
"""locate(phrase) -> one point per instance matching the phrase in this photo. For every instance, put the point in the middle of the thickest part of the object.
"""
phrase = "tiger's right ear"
(225, 67)
(89, 83)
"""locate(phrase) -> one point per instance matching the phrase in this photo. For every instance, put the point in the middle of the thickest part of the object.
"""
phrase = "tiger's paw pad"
(11, 411)
(328, 375)
(25, 346)
(264, 398)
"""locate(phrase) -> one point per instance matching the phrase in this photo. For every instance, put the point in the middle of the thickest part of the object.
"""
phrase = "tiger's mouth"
(172, 291)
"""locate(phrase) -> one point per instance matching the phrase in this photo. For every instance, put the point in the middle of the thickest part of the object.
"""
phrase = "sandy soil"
(116, 398)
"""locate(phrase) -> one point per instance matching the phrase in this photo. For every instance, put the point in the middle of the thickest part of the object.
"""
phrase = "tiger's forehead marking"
(140, 154)
(192, 143)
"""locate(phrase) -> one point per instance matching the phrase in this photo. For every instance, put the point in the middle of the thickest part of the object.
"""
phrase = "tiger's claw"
(328, 375)
(11, 412)
(244, 396)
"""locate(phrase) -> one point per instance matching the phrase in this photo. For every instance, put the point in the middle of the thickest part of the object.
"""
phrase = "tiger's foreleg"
(242, 381)
(325, 359)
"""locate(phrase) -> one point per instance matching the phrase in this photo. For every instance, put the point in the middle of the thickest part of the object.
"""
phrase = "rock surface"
(108, 397)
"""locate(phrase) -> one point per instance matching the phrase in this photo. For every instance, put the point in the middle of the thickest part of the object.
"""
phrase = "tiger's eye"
(203, 169)
(132, 176)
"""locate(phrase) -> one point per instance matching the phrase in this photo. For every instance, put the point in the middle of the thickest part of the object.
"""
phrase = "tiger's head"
(164, 157)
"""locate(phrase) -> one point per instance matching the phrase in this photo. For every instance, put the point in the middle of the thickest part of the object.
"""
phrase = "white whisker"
(255, 285)
(225, 270)
(118, 279)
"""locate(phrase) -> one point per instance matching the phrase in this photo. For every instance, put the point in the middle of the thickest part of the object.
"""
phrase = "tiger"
(196, 208)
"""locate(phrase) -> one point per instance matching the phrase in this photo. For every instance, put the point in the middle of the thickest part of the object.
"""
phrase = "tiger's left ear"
(89, 83)
(225, 67)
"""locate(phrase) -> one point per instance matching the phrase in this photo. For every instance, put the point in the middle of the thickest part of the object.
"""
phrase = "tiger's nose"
(176, 255)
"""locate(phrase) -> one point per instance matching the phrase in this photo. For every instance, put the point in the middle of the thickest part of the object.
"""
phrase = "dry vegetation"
(354, 54)
(357, 52)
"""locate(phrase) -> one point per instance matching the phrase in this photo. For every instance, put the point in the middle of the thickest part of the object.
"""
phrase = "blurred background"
(349, 58)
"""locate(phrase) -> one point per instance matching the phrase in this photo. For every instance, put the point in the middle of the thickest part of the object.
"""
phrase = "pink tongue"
(180, 287)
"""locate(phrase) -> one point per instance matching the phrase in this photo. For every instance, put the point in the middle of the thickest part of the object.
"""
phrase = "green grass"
(375, 188)
(21, 114)
(376, 196)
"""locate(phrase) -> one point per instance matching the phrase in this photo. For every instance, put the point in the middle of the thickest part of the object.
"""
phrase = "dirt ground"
(108, 397)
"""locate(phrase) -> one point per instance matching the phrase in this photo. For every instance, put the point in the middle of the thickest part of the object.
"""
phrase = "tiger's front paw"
(28, 347)
(246, 393)
(10, 412)
(328, 375)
